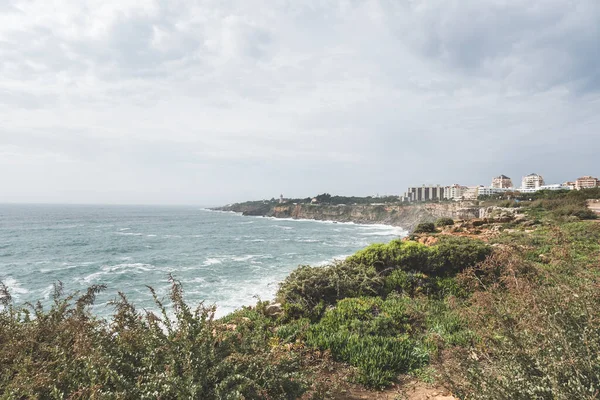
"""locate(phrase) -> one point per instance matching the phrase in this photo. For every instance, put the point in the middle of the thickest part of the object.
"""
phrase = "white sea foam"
(47, 292)
(331, 260)
(244, 258)
(93, 277)
(212, 261)
(14, 287)
(128, 267)
(54, 269)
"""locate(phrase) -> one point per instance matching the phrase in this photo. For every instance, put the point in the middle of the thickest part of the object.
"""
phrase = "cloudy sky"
(212, 101)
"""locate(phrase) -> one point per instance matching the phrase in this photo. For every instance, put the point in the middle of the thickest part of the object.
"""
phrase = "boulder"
(273, 310)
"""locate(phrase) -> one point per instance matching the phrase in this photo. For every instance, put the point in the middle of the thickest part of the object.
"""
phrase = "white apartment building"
(531, 181)
(586, 182)
(502, 182)
(455, 192)
(557, 186)
(490, 191)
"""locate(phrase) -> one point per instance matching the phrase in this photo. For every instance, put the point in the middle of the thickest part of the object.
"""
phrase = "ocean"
(221, 258)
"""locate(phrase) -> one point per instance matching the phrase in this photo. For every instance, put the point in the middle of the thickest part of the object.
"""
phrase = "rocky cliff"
(406, 216)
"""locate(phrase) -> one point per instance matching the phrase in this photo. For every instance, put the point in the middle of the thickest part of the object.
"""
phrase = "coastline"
(322, 221)
(405, 216)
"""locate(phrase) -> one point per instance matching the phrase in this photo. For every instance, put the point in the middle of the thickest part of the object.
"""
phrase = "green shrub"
(537, 342)
(66, 352)
(444, 222)
(425, 227)
(407, 283)
(307, 291)
(408, 255)
(453, 254)
(368, 334)
(307, 287)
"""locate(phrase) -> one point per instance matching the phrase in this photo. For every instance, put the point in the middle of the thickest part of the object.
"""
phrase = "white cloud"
(218, 100)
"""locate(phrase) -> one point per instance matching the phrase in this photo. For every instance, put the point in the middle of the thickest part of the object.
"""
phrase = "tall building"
(532, 182)
(502, 182)
(425, 193)
(455, 192)
(586, 182)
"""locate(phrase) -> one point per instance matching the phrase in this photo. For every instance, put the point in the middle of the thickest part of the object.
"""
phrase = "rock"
(427, 240)
(478, 222)
(273, 310)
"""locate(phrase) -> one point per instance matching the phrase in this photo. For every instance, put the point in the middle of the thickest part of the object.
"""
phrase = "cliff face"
(405, 216)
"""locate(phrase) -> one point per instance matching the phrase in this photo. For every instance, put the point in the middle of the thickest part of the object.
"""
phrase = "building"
(471, 193)
(491, 191)
(558, 186)
(425, 193)
(455, 192)
(502, 182)
(531, 182)
(586, 182)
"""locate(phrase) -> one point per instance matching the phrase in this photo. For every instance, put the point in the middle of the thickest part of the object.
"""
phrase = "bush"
(444, 222)
(367, 333)
(453, 254)
(307, 287)
(425, 227)
(537, 342)
(408, 255)
(407, 283)
(399, 266)
(65, 352)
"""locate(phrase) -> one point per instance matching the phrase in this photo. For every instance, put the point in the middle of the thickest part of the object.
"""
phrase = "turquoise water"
(220, 258)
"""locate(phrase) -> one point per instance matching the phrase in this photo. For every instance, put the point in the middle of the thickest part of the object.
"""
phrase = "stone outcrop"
(406, 216)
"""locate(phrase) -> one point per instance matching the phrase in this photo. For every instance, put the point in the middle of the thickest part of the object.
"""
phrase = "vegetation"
(514, 316)
(425, 227)
(444, 222)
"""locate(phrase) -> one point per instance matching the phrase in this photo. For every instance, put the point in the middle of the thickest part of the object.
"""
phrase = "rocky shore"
(406, 216)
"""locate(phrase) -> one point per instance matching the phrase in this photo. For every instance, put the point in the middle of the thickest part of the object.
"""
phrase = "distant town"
(500, 185)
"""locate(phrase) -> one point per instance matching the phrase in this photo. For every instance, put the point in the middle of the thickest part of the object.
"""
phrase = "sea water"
(221, 258)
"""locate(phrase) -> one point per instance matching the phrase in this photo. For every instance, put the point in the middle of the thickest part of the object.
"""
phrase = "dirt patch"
(412, 390)
(594, 205)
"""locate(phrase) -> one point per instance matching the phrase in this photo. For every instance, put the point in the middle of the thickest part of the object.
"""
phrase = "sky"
(209, 102)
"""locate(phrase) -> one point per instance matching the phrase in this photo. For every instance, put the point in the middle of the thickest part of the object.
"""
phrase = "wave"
(212, 261)
(341, 257)
(285, 228)
(47, 270)
(244, 258)
(118, 269)
(14, 287)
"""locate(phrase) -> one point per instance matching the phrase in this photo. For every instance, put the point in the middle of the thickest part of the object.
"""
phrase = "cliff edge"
(406, 216)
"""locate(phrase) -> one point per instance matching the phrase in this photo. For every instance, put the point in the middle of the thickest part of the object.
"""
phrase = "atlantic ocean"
(221, 258)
